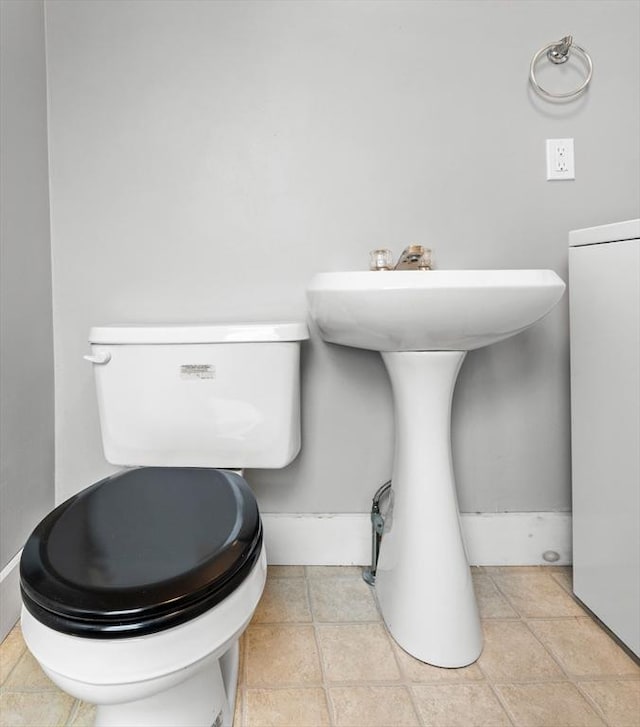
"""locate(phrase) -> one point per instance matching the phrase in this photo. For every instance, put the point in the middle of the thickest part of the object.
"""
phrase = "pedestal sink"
(423, 323)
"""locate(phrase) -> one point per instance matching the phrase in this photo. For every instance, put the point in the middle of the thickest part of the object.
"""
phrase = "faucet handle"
(381, 259)
(425, 262)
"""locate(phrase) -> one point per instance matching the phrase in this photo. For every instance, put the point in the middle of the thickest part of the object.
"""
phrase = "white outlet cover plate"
(560, 159)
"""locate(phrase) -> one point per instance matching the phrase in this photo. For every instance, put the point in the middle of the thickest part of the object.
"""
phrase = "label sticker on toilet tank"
(197, 371)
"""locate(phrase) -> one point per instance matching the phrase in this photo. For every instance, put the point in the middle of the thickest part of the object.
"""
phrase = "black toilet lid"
(141, 551)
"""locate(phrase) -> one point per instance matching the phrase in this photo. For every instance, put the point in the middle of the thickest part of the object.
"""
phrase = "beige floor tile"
(557, 568)
(583, 648)
(84, 715)
(372, 707)
(281, 655)
(283, 600)
(238, 711)
(27, 676)
(548, 705)
(286, 708)
(361, 662)
(536, 594)
(512, 654)
(285, 571)
(241, 658)
(619, 701)
(564, 576)
(417, 671)
(493, 570)
(459, 705)
(342, 599)
(333, 571)
(35, 709)
(491, 603)
(357, 653)
(11, 649)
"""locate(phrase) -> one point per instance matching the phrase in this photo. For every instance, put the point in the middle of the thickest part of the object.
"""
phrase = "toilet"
(137, 589)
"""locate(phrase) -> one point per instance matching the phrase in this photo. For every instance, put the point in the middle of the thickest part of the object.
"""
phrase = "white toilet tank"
(199, 395)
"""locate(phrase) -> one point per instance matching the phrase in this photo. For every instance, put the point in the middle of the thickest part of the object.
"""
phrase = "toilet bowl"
(137, 589)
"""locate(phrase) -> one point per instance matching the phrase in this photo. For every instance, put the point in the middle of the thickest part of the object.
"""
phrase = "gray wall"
(26, 354)
(208, 158)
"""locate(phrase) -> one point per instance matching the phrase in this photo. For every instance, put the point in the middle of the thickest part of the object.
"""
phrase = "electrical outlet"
(560, 159)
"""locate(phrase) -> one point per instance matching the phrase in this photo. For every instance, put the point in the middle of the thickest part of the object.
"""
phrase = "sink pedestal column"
(423, 581)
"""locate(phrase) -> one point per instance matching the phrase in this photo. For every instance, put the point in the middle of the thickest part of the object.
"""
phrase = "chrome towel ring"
(558, 53)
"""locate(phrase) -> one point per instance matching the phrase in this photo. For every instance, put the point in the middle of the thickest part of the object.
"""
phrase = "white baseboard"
(317, 539)
(512, 538)
(10, 600)
(517, 538)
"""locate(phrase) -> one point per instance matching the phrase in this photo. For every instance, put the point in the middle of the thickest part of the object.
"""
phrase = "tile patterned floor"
(316, 653)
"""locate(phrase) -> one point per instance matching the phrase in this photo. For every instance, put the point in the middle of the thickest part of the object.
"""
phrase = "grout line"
(492, 687)
(351, 683)
(408, 685)
(565, 587)
(404, 678)
(594, 705)
(242, 680)
(502, 703)
(503, 594)
(75, 708)
(2, 686)
(570, 617)
(553, 657)
(32, 690)
(580, 679)
(323, 674)
(17, 661)
(558, 678)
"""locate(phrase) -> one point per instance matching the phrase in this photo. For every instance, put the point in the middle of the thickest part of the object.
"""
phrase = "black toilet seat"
(141, 551)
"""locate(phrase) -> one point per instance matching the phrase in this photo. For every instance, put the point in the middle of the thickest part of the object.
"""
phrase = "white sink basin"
(437, 310)
(423, 323)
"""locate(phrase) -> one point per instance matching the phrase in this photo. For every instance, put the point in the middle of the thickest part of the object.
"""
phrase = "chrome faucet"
(414, 257)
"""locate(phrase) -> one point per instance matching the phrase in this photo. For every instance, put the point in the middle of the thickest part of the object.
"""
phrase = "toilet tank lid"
(133, 333)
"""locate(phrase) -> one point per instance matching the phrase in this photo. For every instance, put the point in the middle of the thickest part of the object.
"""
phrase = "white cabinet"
(604, 285)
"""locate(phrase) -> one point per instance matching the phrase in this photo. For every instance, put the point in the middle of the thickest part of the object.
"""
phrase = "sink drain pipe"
(377, 527)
